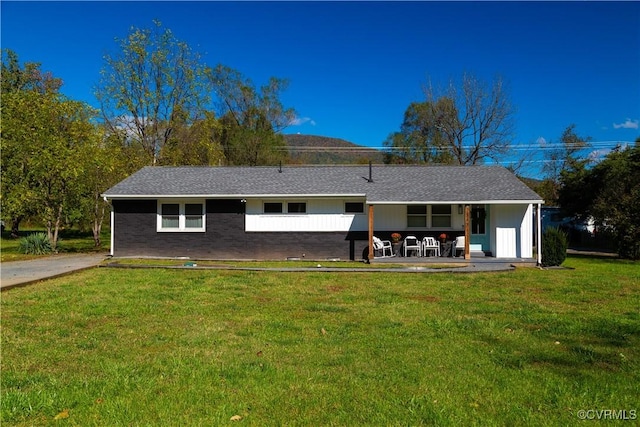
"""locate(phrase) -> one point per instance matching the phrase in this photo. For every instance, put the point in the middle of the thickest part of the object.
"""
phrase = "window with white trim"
(279, 207)
(187, 216)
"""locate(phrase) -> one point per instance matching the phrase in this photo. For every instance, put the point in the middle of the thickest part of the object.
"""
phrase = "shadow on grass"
(569, 349)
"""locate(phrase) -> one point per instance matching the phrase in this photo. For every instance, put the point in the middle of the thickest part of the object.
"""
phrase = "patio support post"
(539, 233)
(467, 231)
(371, 254)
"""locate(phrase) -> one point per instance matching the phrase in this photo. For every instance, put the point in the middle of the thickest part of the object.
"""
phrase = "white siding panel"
(323, 215)
(309, 222)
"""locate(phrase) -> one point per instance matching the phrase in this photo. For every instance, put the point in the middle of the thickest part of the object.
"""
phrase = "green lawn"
(197, 347)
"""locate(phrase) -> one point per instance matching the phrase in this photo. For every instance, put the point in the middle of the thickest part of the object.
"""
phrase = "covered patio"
(509, 232)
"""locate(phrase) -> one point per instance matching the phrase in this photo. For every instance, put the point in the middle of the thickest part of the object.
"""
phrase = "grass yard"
(70, 241)
(110, 347)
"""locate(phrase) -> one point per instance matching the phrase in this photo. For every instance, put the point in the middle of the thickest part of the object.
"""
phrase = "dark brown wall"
(225, 238)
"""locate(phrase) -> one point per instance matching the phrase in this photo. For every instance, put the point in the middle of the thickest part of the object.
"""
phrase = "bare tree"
(465, 123)
(476, 121)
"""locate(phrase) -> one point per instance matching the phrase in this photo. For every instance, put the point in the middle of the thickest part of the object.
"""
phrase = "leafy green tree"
(108, 163)
(252, 118)
(548, 191)
(255, 146)
(29, 76)
(419, 139)
(16, 200)
(464, 124)
(610, 193)
(564, 163)
(194, 144)
(152, 86)
(44, 145)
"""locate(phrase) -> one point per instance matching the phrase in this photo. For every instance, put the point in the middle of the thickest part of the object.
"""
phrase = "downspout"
(539, 233)
(113, 220)
(111, 224)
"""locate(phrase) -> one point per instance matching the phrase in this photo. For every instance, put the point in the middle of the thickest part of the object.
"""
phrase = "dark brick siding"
(225, 238)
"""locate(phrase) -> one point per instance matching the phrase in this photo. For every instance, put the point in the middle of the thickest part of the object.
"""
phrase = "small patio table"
(445, 250)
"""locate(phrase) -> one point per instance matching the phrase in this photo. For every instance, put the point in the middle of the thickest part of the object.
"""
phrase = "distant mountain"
(312, 149)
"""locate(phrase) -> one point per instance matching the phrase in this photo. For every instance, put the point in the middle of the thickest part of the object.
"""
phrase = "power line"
(513, 147)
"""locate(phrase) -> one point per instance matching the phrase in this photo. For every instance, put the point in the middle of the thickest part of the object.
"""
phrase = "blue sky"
(354, 67)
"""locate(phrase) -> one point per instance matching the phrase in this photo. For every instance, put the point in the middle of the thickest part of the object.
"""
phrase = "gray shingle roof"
(391, 183)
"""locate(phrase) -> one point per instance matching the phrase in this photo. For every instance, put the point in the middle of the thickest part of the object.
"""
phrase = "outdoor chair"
(429, 245)
(411, 244)
(458, 244)
(382, 246)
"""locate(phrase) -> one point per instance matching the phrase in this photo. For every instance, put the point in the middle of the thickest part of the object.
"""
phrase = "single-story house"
(318, 212)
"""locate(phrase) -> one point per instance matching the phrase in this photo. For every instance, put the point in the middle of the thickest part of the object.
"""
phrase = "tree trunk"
(53, 236)
(98, 218)
(50, 232)
(97, 228)
(15, 226)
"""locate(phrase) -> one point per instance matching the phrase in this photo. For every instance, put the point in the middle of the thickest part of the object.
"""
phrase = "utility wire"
(513, 147)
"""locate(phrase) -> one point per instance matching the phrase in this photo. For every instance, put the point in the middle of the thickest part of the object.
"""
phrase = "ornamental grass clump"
(554, 247)
(35, 244)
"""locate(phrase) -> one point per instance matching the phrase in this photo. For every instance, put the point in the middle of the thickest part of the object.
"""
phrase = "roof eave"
(455, 202)
(226, 196)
